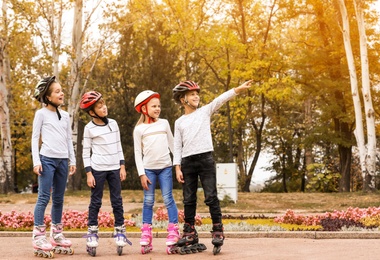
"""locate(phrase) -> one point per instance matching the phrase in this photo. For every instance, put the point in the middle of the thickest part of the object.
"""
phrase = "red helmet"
(89, 99)
(180, 90)
(144, 97)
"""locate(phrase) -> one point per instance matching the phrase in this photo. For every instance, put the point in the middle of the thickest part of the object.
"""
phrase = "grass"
(248, 203)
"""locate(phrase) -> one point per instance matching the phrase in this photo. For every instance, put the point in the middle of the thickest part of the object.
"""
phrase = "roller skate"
(189, 242)
(120, 238)
(217, 237)
(172, 239)
(41, 245)
(92, 240)
(146, 239)
(58, 241)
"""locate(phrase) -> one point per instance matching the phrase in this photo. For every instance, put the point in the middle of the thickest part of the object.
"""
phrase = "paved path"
(248, 245)
(235, 248)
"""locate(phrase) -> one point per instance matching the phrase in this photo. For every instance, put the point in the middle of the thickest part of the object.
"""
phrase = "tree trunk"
(345, 155)
(370, 159)
(75, 182)
(359, 131)
(6, 177)
(308, 147)
(259, 137)
(77, 39)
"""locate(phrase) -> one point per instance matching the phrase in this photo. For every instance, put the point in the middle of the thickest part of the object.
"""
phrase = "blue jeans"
(200, 166)
(114, 184)
(165, 179)
(52, 180)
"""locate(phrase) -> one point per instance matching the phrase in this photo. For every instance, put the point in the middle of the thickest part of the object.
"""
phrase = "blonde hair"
(141, 120)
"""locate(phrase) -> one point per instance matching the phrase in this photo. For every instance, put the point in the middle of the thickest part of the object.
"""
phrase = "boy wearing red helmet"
(193, 159)
(153, 141)
(103, 160)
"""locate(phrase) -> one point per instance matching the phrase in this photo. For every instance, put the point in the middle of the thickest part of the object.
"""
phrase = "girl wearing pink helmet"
(153, 141)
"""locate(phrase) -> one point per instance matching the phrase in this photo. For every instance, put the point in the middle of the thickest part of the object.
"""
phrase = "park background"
(294, 129)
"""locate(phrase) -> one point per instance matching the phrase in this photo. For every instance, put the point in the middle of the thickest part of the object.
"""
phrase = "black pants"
(202, 166)
(114, 184)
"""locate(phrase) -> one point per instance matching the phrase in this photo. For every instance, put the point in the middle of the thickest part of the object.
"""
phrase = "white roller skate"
(58, 241)
(172, 239)
(217, 237)
(120, 239)
(41, 245)
(146, 239)
(92, 240)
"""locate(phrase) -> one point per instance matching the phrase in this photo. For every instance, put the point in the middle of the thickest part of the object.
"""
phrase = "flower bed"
(352, 218)
(368, 218)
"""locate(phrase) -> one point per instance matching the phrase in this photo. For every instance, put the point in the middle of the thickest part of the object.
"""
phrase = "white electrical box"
(226, 177)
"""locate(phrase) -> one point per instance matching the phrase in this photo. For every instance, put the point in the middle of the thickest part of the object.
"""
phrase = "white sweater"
(55, 135)
(192, 133)
(151, 144)
(102, 149)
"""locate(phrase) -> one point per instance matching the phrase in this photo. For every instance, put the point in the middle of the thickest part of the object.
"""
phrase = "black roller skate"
(217, 237)
(189, 242)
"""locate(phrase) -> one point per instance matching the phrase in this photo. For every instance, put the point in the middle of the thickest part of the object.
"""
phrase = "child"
(193, 158)
(152, 141)
(51, 164)
(103, 161)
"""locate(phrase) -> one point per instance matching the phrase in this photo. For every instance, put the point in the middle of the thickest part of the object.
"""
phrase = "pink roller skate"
(172, 239)
(41, 245)
(146, 239)
(59, 242)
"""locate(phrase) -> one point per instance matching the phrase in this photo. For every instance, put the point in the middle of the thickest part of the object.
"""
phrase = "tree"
(6, 178)
(366, 154)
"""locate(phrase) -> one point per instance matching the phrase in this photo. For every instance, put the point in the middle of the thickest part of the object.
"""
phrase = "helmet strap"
(104, 119)
(56, 108)
(150, 119)
(188, 104)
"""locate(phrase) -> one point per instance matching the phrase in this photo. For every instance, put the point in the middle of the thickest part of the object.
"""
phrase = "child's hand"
(243, 87)
(123, 174)
(90, 180)
(73, 169)
(144, 182)
(37, 169)
(179, 176)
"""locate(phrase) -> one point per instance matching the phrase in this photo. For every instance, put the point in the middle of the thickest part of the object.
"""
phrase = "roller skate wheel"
(216, 250)
(70, 251)
(91, 251)
(184, 251)
(119, 250)
(146, 249)
(171, 250)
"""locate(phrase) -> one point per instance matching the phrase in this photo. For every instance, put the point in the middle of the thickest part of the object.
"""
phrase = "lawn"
(247, 203)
